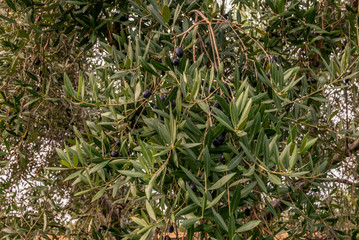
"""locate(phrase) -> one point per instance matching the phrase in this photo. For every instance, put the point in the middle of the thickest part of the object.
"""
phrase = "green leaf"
(82, 192)
(131, 173)
(76, 2)
(294, 158)
(245, 191)
(231, 227)
(250, 171)
(158, 65)
(244, 115)
(156, 15)
(187, 210)
(222, 181)
(236, 198)
(148, 235)
(247, 152)
(147, 67)
(73, 175)
(189, 222)
(307, 145)
(99, 194)
(248, 226)
(234, 113)
(3, 154)
(68, 86)
(190, 145)
(166, 13)
(274, 179)
(139, 221)
(223, 119)
(260, 183)
(61, 154)
(192, 177)
(11, 5)
(99, 166)
(8, 19)
(150, 211)
(192, 195)
(220, 220)
(215, 200)
(207, 161)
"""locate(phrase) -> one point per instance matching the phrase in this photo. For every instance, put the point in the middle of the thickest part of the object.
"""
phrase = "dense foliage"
(231, 119)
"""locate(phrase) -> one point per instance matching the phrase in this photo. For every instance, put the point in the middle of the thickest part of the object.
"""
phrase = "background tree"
(241, 135)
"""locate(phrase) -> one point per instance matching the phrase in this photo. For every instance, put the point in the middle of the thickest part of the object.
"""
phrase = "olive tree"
(221, 120)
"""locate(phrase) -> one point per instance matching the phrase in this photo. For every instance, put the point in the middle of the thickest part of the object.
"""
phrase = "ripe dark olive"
(171, 229)
(124, 18)
(193, 187)
(267, 29)
(313, 80)
(316, 64)
(222, 159)
(217, 142)
(227, 86)
(37, 62)
(118, 143)
(179, 52)
(114, 154)
(167, 238)
(37, 89)
(273, 59)
(268, 75)
(176, 62)
(147, 94)
(173, 104)
(155, 106)
(345, 42)
(212, 90)
(163, 97)
(163, 73)
(247, 212)
(225, 16)
(346, 81)
(222, 137)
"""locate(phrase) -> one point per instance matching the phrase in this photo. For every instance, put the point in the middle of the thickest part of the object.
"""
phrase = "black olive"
(222, 137)
(147, 94)
(222, 159)
(179, 52)
(247, 212)
(217, 142)
(114, 154)
(176, 62)
(193, 187)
